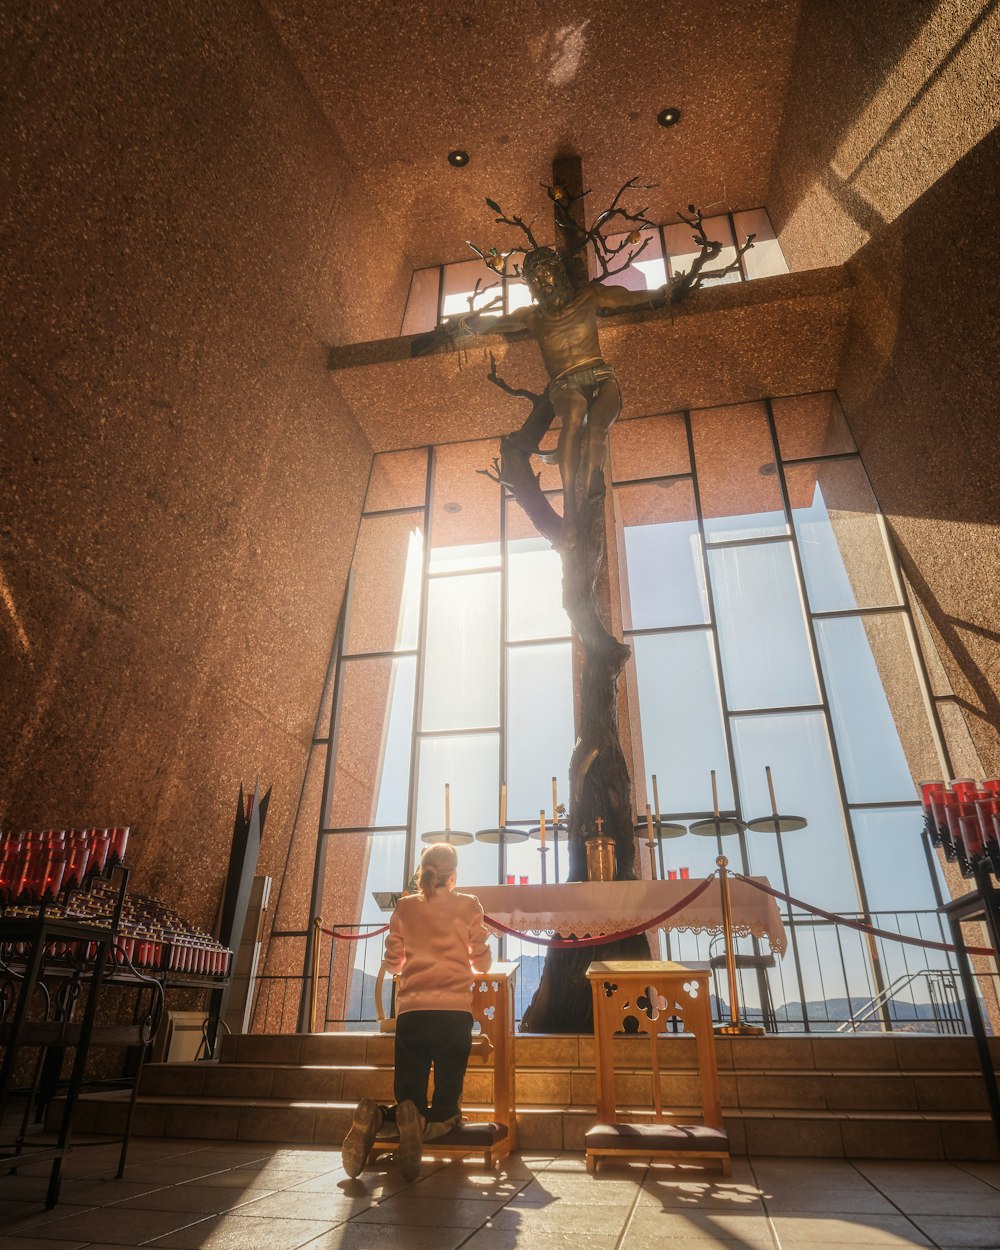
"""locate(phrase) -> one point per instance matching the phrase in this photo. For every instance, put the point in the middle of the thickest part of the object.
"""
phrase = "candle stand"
(983, 903)
(963, 819)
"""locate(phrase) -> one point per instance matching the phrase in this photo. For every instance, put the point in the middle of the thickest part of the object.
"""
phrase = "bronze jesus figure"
(582, 388)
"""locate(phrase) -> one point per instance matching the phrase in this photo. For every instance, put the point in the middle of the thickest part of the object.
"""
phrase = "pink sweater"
(437, 945)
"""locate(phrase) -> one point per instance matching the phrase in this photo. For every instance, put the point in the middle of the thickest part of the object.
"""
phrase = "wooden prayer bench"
(494, 1139)
(652, 993)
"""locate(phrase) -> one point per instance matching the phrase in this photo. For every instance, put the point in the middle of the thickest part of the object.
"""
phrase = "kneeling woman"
(437, 942)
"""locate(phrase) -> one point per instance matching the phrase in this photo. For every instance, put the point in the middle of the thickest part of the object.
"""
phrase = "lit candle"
(503, 805)
(649, 824)
(770, 790)
(715, 796)
(541, 826)
(447, 805)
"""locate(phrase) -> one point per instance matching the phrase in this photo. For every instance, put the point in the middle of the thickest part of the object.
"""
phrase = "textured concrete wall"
(919, 386)
(883, 100)
(181, 482)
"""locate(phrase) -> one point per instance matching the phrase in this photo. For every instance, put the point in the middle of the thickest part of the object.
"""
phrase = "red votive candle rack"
(964, 820)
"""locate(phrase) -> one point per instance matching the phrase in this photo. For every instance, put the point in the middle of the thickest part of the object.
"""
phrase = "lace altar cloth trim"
(598, 908)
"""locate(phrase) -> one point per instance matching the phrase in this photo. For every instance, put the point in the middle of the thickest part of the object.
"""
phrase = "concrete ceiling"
(402, 82)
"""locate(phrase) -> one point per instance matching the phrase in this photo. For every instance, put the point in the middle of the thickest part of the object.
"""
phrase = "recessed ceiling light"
(668, 117)
(458, 158)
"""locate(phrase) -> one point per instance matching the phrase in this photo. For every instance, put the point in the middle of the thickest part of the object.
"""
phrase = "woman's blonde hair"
(437, 864)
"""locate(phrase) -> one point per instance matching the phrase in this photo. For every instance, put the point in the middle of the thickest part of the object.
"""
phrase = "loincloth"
(585, 381)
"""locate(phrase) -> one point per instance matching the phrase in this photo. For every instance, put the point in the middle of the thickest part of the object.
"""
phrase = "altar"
(606, 908)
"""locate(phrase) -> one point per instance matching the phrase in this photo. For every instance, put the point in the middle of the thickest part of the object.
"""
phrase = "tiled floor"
(218, 1196)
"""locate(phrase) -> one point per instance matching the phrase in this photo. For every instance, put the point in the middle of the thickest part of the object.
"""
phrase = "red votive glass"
(119, 841)
(966, 788)
(940, 802)
(524, 881)
(100, 847)
(671, 874)
(988, 811)
(927, 788)
(970, 831)
(685, 874)
(77, 857)
(510, 878)
(992, 785)
(52, 877)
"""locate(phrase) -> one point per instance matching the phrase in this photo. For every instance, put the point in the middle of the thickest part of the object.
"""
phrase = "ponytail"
(437, 864)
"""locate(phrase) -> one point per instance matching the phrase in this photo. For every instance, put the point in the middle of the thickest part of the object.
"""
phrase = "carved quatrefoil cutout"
(609, 989)
(691, 989)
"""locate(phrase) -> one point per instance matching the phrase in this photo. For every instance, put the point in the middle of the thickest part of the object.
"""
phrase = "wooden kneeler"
(495, 1138)
(651, 993)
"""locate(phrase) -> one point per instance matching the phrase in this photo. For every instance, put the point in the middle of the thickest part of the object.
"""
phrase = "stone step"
(758, 1131)
(771, 1053)
(540, 1087)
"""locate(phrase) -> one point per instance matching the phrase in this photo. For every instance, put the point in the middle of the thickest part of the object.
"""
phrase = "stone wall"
(181, 480)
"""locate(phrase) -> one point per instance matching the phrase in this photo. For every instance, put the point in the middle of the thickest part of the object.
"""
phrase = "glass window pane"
(681, 720)
(422, 302)
(398, 480)
(737, 475)
(844, 556)
(465, 525)
(766, 655)
(540, 731)
(461, 683)
(460, 281)
(893, 861)
(646, 273)
(518, 295)
(764, 258)
(534, 591)
(649, 447)
(663, 555)
(811, 425)
(371, 766)
(385, 589)
(471, 765)
(797, 747)
(877, 707)
(683, 250)
(357, 865)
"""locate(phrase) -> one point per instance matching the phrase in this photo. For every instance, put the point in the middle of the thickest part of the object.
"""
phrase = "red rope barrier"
(558, 942)
(863, 925)
(353, 937)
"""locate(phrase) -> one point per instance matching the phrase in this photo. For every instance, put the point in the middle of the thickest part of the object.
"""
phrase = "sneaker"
(361, 1136)
(411, 1140)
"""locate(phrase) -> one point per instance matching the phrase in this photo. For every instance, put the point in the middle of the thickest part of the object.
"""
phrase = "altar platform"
(886, 1096)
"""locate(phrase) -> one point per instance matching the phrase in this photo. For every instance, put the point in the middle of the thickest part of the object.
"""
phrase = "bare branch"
(518, 222)
(694, 278)
(477, 290)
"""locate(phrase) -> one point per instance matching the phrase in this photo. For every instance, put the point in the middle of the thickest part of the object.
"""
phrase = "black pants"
(442, 1039)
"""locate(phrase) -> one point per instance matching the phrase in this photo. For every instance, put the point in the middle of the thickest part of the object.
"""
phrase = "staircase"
(898, 1096)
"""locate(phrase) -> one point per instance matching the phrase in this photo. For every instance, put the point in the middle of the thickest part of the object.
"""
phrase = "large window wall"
(768, 627)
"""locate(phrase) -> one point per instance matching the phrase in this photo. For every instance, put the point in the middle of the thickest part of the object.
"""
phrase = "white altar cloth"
(597, 908)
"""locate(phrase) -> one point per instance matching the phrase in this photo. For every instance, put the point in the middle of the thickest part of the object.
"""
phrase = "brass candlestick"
(736, 1027)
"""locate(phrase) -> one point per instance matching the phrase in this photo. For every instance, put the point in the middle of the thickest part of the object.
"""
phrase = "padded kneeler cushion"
(471, 1135)
(654, 1137)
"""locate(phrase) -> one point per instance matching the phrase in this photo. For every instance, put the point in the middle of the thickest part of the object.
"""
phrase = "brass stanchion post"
(314, 986)
(735, 1027)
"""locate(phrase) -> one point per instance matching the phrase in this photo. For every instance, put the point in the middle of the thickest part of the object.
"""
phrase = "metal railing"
(947, 1011)
(833, 965)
